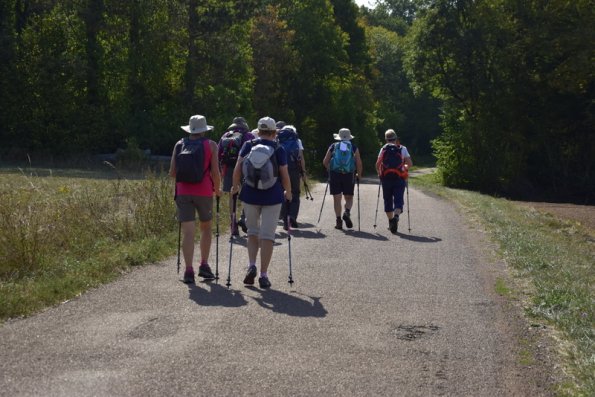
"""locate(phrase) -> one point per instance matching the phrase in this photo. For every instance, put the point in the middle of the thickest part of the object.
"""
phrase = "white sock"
(264, 274)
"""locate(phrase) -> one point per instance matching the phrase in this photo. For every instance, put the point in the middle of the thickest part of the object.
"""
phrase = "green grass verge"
(556, 260)
(61, 235)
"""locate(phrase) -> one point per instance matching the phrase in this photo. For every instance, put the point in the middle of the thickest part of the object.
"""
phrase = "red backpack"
(392, 163)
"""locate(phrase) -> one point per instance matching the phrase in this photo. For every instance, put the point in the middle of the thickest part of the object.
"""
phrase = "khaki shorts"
(262, 220)
(188, 206)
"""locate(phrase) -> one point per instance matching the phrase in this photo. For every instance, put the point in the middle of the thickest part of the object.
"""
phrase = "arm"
(358, 163)
(408, 162)
(327, 159)
(285, 181)
(237, 176)
(172, 163)
(215, 174)
(378, 166)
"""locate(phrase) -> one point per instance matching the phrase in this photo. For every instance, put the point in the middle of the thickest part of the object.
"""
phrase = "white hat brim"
(187, 129)
(338, 137)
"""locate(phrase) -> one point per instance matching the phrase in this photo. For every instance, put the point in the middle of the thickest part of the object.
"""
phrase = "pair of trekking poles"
(324, 197)
(231, 239)
(377, 202)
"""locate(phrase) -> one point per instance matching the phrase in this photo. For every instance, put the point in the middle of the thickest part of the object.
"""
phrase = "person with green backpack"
(344, 166)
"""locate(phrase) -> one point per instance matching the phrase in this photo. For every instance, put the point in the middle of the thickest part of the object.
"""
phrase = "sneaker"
(264, 282)
(339, 224)
(347, 219)
(250, 275)
(393, 224)
(205, 272)
(242, 225)
(189, 276)
(293, 223)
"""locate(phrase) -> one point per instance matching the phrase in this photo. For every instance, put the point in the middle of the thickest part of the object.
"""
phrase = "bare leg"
(266, 253)
(253, 248)
(188, 242)
(337, 204)
(348, 202)
(205, 240)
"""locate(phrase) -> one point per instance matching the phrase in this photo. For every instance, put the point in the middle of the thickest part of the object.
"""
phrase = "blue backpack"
(288, 138)
(343, 160)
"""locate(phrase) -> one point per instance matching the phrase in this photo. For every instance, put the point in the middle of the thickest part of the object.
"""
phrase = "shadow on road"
(419, 239)
(215, 295)
(365, 235)
(280, 302)
(304, 234)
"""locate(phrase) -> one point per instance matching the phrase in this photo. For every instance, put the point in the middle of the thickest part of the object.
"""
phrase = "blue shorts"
(342, 183)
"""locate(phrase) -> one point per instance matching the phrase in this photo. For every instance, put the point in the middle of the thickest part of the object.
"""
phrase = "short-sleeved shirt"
(404, 151)
(271, 196)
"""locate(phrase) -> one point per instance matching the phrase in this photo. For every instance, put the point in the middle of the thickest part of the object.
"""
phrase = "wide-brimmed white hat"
(197, 124)
(266, 124)
(343, 135)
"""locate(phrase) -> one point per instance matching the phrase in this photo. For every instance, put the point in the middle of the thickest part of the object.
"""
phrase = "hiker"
(392, 167)
(296, 166)
(229, 148)
(263, 165)
(195, 166)
(344, 165)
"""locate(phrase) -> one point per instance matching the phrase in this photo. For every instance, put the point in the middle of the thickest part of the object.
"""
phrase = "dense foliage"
(507, 84)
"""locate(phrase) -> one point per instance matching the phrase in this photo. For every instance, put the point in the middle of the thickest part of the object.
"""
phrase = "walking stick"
(408, 217)
(323, 198)
(290, 281)
(217, 243)
(233, 221)
(308, 193)
(377, 201)
(358, 217)
(179, 238)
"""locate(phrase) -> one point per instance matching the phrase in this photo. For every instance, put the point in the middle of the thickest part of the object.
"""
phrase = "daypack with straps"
(343, 159)
(190, 160)
(288, 138)
(231, 143)
(260, 168)
(392, 163)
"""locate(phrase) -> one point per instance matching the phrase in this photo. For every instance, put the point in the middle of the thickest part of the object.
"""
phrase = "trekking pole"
(377, 201)
(233, 222)
(290, 281)
(358, 217)
(323, 197)
(179, 243)
(217, 243)
(408, 217)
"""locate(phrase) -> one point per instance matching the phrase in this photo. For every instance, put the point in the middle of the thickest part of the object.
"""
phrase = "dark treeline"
(505, 86)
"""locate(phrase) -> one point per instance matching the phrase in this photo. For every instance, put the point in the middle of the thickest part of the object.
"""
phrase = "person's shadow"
(418, 239)
(304, 234)
(280, 302)
(212, 294)
(365, 235)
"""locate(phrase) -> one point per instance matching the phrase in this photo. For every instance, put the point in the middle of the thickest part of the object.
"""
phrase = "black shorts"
(342, 183)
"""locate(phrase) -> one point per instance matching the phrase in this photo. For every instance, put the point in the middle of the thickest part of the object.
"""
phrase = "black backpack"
(288, 138)
(190, 160)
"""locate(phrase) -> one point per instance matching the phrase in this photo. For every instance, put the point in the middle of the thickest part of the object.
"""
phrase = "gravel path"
(370, 314)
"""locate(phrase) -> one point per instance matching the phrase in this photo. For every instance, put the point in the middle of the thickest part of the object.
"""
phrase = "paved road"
(370, 314)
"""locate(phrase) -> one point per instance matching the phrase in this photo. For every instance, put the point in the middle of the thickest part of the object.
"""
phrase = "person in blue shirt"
(262, 195)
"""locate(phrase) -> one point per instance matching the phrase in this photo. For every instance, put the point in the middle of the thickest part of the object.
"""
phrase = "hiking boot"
(393, 225)
(347, 219)
(250, 276)
(264, 282)
(205, 272)
(339, 224)
(242, 225)
(189, 276)
(293, 223)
